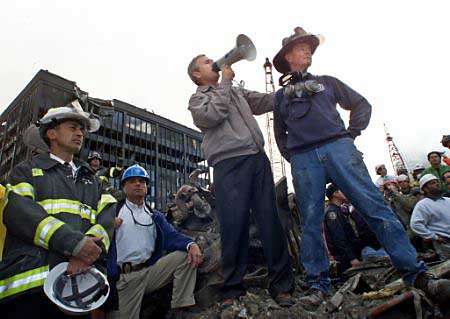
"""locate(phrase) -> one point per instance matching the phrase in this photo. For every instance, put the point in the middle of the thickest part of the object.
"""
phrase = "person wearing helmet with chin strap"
(104, 174)
(54, 212)
(95, 161)
(137, 260)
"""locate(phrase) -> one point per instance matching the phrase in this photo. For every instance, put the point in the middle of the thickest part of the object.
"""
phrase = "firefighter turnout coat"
(46, 212)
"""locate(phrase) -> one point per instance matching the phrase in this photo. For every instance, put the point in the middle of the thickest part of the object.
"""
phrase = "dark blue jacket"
(301, 124)
(341, 238)
(167, 240)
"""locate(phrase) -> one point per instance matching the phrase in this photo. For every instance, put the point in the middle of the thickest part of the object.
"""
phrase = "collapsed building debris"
(374, 289)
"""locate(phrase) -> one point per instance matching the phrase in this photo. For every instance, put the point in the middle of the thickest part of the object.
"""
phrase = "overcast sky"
(395, 53)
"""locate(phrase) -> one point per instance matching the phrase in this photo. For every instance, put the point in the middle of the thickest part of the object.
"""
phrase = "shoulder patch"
(331, 215)
(37, 172)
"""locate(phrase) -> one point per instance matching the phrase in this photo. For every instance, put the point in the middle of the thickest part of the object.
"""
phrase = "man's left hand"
(195, 256)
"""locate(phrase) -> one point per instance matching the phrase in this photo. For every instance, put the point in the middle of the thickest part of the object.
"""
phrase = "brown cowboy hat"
(300, 35)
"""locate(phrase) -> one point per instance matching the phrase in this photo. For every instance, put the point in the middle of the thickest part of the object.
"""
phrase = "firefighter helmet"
(77, 294)
(425, 179)
(94, 154)
(72, 111)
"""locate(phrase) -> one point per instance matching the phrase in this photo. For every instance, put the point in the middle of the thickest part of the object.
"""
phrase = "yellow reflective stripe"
(99, 232)
(22, 189)
(45, 231)
(104, 179)
(56, 206)
(37, 172)
(105, 200)
(22, 282)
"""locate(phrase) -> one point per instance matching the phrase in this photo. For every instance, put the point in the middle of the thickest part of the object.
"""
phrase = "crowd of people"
(419, 199)
(58, 214)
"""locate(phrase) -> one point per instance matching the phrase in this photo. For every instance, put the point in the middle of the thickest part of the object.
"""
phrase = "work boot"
(313, 299)
(284, 300)
(438, 290)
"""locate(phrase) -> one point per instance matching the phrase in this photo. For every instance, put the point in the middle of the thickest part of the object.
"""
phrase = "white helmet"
(425, 179)
(78, 294)
(418, 167)
(70, 111)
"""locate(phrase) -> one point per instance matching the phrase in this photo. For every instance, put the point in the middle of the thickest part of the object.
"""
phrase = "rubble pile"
(355, 298)
(372, 290)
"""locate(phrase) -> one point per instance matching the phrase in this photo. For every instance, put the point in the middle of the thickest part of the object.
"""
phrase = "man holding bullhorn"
(234, 146)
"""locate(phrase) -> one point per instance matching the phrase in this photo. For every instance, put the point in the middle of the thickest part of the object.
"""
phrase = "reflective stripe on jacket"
(44, 215)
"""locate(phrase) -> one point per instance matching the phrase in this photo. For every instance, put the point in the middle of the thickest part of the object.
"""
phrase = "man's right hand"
(90, 251)
(227, 73)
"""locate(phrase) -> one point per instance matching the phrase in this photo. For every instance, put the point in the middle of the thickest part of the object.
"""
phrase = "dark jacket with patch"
(341, 238)
(45, 214)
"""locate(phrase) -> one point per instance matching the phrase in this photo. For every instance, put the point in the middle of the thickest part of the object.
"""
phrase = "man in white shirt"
(136, 257)
(431, 216)
(381, 170)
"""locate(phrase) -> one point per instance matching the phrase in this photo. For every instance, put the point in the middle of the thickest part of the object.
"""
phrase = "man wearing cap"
(403, 182)
(311, 135)
(431, 216)
(346, 232)
(137, 260)
(95, 161)
(416, 173)
(381, 170)
(341, 238)
(55, 212)
(233, 144)
(436, 168)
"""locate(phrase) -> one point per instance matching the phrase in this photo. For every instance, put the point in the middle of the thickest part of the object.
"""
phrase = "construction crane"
(398, 163)
(276, 160)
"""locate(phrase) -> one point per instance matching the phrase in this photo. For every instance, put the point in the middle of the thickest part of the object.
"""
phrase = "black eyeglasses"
(134, 219)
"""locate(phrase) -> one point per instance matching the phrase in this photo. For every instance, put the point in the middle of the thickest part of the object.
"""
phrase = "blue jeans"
(341, 163)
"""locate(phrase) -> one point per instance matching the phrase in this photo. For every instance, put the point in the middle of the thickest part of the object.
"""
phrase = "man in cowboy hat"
(311, 135)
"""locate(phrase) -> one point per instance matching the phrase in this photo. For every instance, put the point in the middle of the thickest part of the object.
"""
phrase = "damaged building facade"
(128, 135)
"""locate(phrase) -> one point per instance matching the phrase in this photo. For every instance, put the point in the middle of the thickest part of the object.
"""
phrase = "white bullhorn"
(244, 49)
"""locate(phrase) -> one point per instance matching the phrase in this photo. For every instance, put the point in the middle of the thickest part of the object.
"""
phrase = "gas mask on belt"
(295, 85)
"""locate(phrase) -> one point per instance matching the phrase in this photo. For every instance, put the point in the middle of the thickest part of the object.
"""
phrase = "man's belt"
(128, 267)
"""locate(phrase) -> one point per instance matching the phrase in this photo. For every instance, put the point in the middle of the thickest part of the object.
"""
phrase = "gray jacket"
(225, 116)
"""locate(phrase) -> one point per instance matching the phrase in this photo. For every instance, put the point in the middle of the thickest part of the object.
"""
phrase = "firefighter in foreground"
(54, 211)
